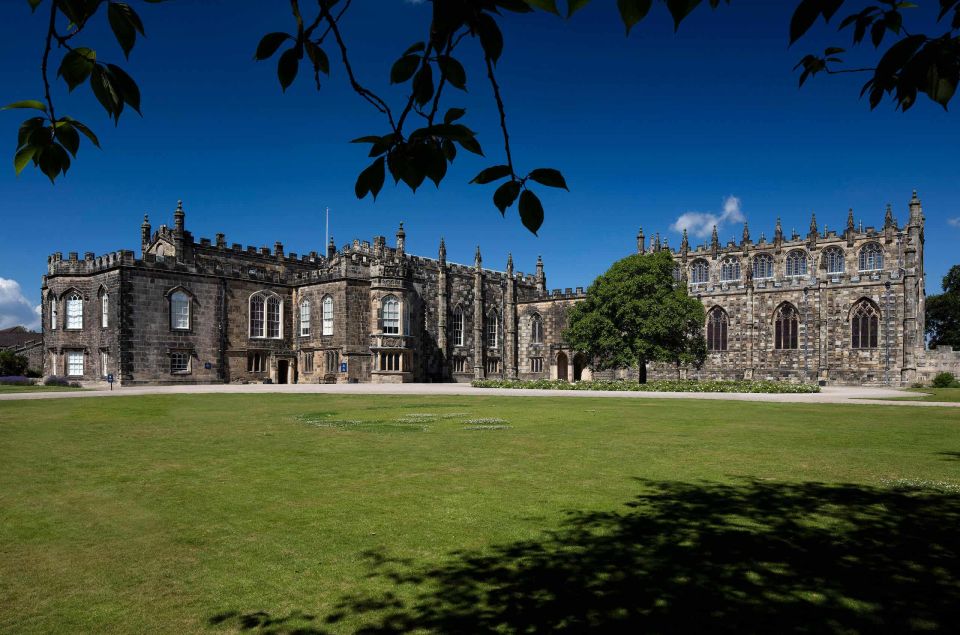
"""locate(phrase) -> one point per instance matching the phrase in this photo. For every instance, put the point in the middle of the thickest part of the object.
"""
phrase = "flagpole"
(326, 237)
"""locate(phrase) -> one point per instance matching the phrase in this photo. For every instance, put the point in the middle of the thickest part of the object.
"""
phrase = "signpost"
(343, 367)
(110, 380)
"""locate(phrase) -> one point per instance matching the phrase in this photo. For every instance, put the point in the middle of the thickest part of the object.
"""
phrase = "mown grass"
(928, 394)
(5, 388)
(319, 513)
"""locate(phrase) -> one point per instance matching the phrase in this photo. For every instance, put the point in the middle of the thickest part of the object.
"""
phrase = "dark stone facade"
(395, 317)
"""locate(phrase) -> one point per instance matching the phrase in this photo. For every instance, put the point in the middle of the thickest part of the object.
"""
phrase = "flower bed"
(681, 385)
(16, 380)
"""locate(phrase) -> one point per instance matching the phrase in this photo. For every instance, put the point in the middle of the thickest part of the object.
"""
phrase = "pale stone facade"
(190, 311)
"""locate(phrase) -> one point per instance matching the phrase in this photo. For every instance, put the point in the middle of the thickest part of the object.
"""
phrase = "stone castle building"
(835, 307)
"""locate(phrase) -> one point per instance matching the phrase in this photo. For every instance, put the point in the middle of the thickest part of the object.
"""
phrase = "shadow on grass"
(751, 557)
(951, 456)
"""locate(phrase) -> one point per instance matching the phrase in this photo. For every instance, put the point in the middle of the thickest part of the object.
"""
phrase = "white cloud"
(15, 308)
(700, 224)
(955, 221)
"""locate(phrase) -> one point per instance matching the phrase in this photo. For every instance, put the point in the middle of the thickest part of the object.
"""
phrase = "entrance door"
(283, 367)
(579, 362)
(562, 366)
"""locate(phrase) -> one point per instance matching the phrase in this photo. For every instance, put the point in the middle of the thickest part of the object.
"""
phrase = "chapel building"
(832, 307)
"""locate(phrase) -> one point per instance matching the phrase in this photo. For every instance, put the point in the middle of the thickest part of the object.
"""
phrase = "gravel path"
(833, 394)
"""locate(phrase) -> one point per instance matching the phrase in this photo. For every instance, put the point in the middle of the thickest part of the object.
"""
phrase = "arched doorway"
(579, 363)
(562, 366)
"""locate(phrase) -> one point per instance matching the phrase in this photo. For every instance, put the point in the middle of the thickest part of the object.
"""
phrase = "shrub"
(15, 380)
(673, 385)
(35, 374)
(12, 364)
(53, 380)
(917, 384)
(944, 380)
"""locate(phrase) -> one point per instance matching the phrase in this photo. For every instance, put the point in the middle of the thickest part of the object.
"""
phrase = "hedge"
(676, 385)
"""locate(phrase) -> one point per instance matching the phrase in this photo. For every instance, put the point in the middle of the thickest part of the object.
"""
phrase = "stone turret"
(540, 277)
(510, 323)
(745, 239)
(442, 309)
(778, 234)
(179, 232)
(331, 248)
(684, 244)
(889, 225)
(851, 228)
(145, 234)
(179, 218)
(477, 315)
(913, 317)
(916, 210)
(401, 240)
(813, 234)
(641, 245)
(714, 242)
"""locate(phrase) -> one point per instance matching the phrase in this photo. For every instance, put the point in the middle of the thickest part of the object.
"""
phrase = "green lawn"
(4, 389)
(934, 394)
(315, 513)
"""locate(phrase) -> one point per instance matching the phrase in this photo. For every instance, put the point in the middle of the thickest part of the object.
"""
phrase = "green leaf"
(632, 11)
(53, 161)
(22, 158)
(105, 92)
(317, 57)
(575, 5)
(453, 72)
(453, 114)
(128, 89)
(367, 139)
(287, 67)
(491, 39)
(416, 47)
(370, 180)
(549, 177)
(531, 211)
(436, 163)
(76, 66)
(404, 68)
(505, 195)
(550, 6)
(470, 144)
(28, 128)
(27, 103)
(680, 9)
(449, 150)
(123, 29)
(68, 136)
(269, 44)
(84, 130)
(34, 4)
(423, 85)
(493, 173)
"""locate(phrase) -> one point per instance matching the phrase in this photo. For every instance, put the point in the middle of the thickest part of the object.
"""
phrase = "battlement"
(73, 265)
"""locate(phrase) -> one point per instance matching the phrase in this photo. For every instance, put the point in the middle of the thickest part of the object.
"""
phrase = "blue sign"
(207, 365)
(110, 378)
(343, 367)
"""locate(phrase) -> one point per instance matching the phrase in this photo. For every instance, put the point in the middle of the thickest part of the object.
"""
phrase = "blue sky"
(645, 129)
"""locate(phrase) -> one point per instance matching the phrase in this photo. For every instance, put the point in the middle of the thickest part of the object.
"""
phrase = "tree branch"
(503, 115)
(46, 57)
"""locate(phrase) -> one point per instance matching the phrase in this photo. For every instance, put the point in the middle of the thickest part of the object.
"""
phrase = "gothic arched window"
(717, 329)
(458, 326)
(864, 324)
(327, 316)
(699, 271)
(74, 311)
(390, 312)
(493, 329)
(536, 329)
(104, 309)
(871, 257)
(833, 260)
(730, 269)
(762, 266)
(257, 303)
(179, 311)
(274, 314)
(304, 318)
(796, 264)
(786, 326)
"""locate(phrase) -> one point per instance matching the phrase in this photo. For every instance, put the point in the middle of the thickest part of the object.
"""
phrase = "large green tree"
(943, 312)
(418, 138)
(636, 313)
